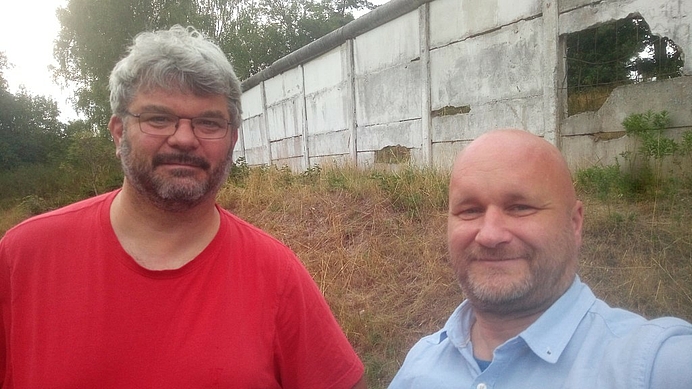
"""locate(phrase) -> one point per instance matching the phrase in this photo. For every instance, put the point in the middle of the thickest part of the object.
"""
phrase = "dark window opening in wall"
(617, 53)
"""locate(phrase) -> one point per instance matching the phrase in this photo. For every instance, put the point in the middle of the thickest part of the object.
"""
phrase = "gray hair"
(177, 58)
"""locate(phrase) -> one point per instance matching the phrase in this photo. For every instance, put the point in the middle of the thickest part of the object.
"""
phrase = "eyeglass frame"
(177, 124)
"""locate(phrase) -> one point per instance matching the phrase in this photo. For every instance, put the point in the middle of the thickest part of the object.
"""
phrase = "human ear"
(115, 126)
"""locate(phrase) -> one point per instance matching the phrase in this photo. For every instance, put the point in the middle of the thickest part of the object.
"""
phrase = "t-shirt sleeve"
(4, 304)
(311, 349)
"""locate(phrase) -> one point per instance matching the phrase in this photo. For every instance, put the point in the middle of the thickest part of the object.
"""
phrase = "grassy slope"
(375, 243)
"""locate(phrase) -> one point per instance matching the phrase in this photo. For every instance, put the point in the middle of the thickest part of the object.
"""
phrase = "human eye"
(209, 125)
(158, 120)
(521, 209)
(468, 212)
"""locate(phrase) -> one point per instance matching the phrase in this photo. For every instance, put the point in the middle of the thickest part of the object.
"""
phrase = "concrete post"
(551, 72)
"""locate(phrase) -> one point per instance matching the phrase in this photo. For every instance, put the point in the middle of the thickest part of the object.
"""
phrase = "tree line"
(40, 155)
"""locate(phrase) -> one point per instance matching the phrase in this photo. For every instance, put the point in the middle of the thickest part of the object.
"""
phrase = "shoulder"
(59, 222)
(249, 238)
(259, 250)
(657, 351)
(671, 339)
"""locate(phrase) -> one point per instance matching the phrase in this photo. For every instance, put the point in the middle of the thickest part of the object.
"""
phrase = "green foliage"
(413, 190)
(41, 158)
(34, 205)
(240, 171)
(93, 37)
(648, 128)
(311, 175)
(620, 51)
(686, 144)
(90, 163)
(602, 181)
(644, 174)
(30, 132)
(616, 53)
(41, 180)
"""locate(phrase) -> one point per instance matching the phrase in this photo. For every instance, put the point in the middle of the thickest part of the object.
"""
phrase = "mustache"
(495, 254)
(183, 159)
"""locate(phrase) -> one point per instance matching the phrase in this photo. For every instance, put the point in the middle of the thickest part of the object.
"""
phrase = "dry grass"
(379, 254)
(375, 244)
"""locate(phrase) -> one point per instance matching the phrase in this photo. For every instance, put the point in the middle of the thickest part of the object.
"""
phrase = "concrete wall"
(429, 76)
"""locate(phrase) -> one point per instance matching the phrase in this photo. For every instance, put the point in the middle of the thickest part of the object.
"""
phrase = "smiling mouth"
(498, 259)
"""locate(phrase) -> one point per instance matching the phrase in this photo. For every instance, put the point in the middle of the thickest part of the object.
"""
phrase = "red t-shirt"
(79, 312)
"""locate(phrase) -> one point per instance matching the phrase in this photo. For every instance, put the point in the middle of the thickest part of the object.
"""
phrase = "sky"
(27, 31)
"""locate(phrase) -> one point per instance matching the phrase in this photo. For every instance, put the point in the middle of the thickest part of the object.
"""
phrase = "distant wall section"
(430, 76)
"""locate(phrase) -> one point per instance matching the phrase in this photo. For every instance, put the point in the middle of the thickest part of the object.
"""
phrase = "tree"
(30, 131)
(94, 36)
(620, 52)
(625, 51)
(255, 33)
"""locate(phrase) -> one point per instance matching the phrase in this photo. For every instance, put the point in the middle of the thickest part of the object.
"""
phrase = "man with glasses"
(154, 285)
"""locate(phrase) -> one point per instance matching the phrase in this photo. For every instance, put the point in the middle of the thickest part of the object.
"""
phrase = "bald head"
(519, 152)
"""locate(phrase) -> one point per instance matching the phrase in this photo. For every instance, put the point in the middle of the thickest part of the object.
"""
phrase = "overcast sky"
(27, 31)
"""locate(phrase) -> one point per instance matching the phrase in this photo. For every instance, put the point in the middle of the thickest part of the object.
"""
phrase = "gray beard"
(166, 194)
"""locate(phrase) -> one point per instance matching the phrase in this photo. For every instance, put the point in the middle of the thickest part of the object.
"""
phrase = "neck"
(489, 331)
(158, 239)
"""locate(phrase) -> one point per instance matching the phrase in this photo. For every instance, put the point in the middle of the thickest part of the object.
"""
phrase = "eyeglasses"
(166, 124)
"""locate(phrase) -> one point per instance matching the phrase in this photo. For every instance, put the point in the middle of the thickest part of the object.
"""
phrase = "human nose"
(184, 135)
(493, 230)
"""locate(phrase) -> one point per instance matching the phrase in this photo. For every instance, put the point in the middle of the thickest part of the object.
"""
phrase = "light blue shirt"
(579, 342)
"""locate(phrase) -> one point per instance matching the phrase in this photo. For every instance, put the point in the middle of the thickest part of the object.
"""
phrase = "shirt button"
(482, 386)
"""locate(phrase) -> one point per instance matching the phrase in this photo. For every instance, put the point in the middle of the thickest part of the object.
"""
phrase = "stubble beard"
(548, 274)
(179, 192)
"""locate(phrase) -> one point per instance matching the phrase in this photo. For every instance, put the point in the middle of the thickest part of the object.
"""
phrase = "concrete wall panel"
(285, 119)
(251, 101)
(519, 113)
(287, 148)
(326, 111)
(672, 18)
(503, 64)
(388, 45)
(405, 134)
(284, 86)
(324, 72)
(330, 160)
(389, 96)
(444, 153)
(598, 137)
(329, 144)
(252, 132)
(294, 164)
(255, 156)
(455, 20)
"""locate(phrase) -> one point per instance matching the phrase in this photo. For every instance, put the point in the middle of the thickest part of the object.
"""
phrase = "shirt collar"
(458, 326)
(548, 336)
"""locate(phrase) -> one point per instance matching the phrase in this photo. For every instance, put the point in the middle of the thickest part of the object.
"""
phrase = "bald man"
(514, 233)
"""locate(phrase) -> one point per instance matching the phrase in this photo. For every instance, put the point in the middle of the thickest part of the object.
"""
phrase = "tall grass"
(375, 243)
